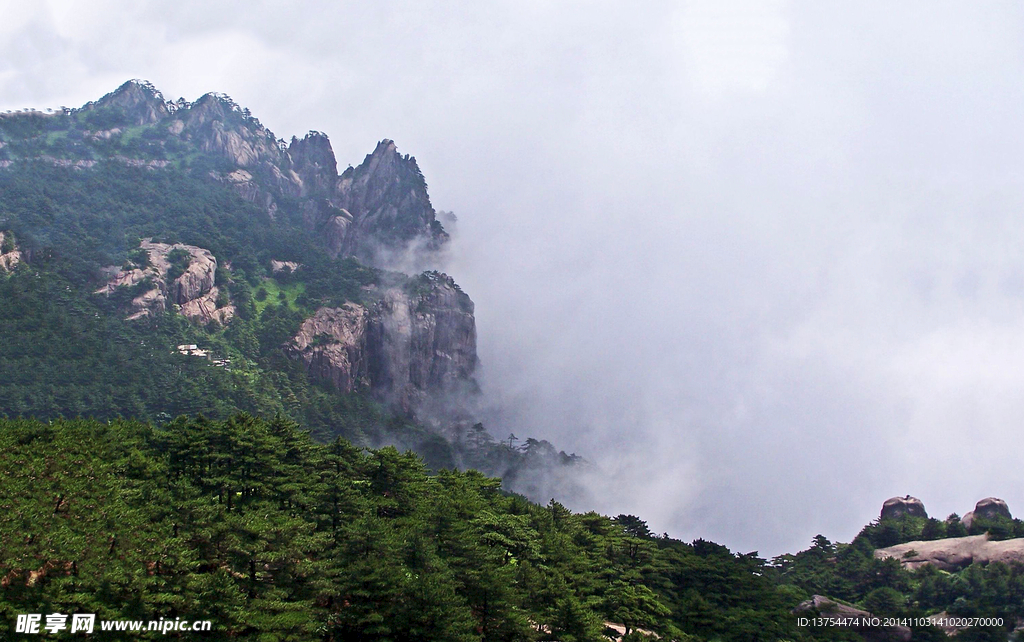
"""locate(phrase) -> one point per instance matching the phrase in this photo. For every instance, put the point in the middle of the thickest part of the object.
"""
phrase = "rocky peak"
(313, 160)
(387, 197)
(216, 124)
(138, 100)
(896, 507)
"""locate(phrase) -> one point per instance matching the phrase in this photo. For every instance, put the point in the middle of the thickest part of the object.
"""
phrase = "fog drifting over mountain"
(763, 263)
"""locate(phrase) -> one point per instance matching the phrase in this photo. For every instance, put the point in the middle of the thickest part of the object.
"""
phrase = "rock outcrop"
(216, 124)
(10, 255)
(955, 553)
(332, 344)
(821, 606)
(988, 508)
(191, 288)
(137, 100)
(387, 198)
(378, 212)
(422, 338)
(896, 507)
(414, 340)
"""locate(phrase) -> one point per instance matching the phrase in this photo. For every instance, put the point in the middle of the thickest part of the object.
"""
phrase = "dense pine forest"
(252, 524)
(222, 397)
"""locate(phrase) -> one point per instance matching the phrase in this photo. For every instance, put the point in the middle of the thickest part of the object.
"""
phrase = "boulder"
(988, 508)
(896, 507)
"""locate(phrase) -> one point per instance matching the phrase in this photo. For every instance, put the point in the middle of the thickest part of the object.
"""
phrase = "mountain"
(134, 225)
(243, 334)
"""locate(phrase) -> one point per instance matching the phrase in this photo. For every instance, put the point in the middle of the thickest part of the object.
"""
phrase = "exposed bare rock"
(243, 184)
(895, 507)
(193, 290)
(204, 309)
(820, 605)
(332, 344)
(421, 338)
(283, 266)
(69, 162)
(219, 126)
(313, 160)
(149, 303)
(10, 255)
(988, 508)
(138, 100)
(415, 340)
(956, 552)
(387, 198)
(992, 507)
(105, 134)
(331, 223)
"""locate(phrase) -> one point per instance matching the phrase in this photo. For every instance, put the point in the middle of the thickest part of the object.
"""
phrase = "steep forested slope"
(93, 317)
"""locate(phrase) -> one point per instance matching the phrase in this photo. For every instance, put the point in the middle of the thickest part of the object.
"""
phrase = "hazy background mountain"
(760, 261)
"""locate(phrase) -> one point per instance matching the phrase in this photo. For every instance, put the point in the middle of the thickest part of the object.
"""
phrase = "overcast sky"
(762, 262)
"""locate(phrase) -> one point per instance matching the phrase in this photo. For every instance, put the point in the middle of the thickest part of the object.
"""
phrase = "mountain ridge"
(110, 176)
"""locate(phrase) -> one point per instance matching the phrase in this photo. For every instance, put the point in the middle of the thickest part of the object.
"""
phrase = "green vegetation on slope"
(251, 524)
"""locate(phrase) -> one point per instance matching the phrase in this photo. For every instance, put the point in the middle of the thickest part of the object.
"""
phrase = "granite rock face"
(896, 507)
(332, 345)
(955, 553)
(139, 101)
(10, 255)
(193, 291)
(387, 198)
(413, 341)
(378, 212)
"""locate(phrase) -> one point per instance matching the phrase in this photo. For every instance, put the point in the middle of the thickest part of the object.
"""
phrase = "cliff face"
(10, 255)
(413, 341)
(193, 289)
(377, 212)
(422, 338)
(332, 344)
(387, 198)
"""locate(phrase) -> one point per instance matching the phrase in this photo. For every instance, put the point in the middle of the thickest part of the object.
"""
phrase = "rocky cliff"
(415, 340)
(162, 277)
(10, 255)
(137, 101)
